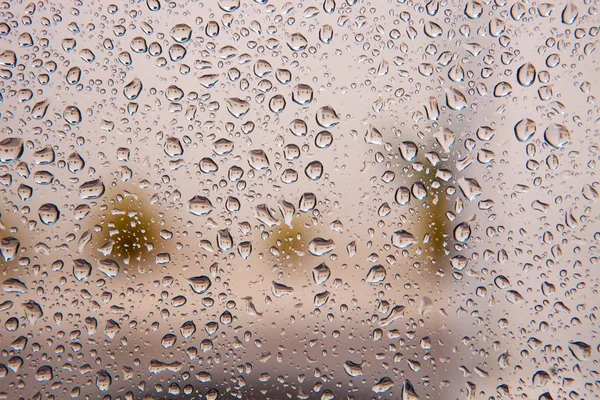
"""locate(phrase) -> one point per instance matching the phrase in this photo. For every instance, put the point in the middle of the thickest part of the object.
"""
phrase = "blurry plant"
(288, 243)
(126, 227)
(11, 227)
(431, 222)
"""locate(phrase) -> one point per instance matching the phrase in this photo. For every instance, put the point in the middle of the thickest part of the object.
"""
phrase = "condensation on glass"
(307, 199)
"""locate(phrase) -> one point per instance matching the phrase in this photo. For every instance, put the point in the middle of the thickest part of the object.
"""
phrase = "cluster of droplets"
(354, 197)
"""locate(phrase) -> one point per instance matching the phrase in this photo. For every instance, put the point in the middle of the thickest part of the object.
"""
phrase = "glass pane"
(307, 199)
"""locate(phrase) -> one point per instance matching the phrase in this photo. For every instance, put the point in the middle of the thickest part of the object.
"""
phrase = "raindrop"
(327, 117)
(72, 115)
(81, 269)
(376, 274)
(580, 350)
(258, 160)
(402, 239)
(383, 385)
(473, 10)
(455, 99)
(308, 201)
(407, 392)
(326, 34)
(280, 290)
(314, 170)
(462, 232)
(557, 135)
(353, 369)
(324, 139)
(321, 274)
(298, 128)
(133, 89)
(502, 89)
(181, 33)
(569, 14)
(297, 42)
(49, 213)
(408, 151)
(109, 268)
(237, 107)
(432, 29)
(526, 74)
(302, 94)
(208, 166)
(525, 129)
(229, 5)
(320, 247)
(11, 149)
(200, 284)
(200, 206)
(177, 52)
(277, 104)
(91, 190)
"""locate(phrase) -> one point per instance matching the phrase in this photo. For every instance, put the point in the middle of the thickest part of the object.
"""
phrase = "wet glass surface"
(307, 199)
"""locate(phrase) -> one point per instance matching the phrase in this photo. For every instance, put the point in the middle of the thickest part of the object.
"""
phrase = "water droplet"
(525, 129)
(320, 247)
(580, 350)
(237, 107)
(81, 269)
(11, 149)
(307, 203)
(297, 42)
(200, 205)
(526, 74)
(39, 109)
(353, 369)
(473, 10)
(455, 99)
(277, 104)
(327, 117)
(302, 94)
(174, 93)
(109, 268)
(326, 33)
(229, 5)
(181, 33)
(445, 138)
(208, 166)
(321, 274)
(557, 135)
(383, 385)
(72, 115)
(462, 232)
(376, 274)
(224, 240)
(258, 160)
(284, 76)
(432, 29)
(49, 213)
(408, 151)
(177, 52)
(298, 128)
(91, 190)
(569, 13)
(502, 89)
(403, 239)
(200, 284)
(407, 392)
(12, 285)
(314, 170)
(470, 188)
(280, 290)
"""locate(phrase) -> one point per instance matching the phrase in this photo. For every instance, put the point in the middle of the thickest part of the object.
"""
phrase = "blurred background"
(312, 199)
